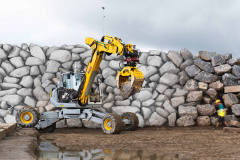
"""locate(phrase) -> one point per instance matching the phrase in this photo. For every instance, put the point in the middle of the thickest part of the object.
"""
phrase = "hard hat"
(218, 101)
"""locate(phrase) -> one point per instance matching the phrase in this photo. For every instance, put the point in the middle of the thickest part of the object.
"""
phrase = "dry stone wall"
(178, 89)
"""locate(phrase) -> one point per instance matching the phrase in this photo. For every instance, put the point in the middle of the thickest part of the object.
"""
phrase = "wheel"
(48, 129)
(27, 117)
(132, 117)
(112, 123)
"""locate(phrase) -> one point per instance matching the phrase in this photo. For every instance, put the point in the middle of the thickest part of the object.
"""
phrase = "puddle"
(49, 151)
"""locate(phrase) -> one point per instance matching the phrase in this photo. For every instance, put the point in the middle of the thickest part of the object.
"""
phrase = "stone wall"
(179, 89)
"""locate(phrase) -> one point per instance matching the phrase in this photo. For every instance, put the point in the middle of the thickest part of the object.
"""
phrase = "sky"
(210, 25)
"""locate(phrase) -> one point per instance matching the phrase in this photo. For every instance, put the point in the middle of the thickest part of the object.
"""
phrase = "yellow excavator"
(72, 97)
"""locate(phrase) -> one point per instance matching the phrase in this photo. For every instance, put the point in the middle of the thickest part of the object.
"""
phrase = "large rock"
(169, 79)
(143, 58)
(2, 72)
(7, 66)
(32, 61)
(205, 55)
(227, 56)
(24, 55)
(117, 65)
(147, 71)
(162, 112)
(108, 106)
(177, 101)
(148, 103)
(172, 119)
(180, 92)
(217, 60)
(4, 105)
(167, 106)
(186, 54)
(17, 61)
(61, 55)
(192, 70)
(111, 81)
(164, 56)
(11, 99)
(169, 93)
(122, 109)
(20, 72)
(7, 47)
(146, 112)
(236, 109)
(230, 79)
(234, 61)
(154, 53)
(191, 85)
(206, 77)
(154, 61)
(203, 121)
(229, 118)
(37, 51)
(194, 96)
(225, 68)
(162, 98)
(78, 50)
(175, 57)
(3, 113)
(187, 111)
(3, 54)
(8, 92)
(6, 86)
(108, 71)
(27, 81)
(74, 122)
(140, 120)
(142, 95)
(230, 99)
(212, 93)
(206, 109)
(236, 70)
(15, 52)
(76, 57)
(47, 76)
(10, 119)
(206, 66)
(218, 86)
(40, 94)
(156, 120)
(104, 64)
(30, 101)
(34, 71)
(123, 103)
(52, 66)
(13, 80)
(186, 63)
(169, 67)
(136, 103)
(183, 77)
(185, 121)
(161, 88)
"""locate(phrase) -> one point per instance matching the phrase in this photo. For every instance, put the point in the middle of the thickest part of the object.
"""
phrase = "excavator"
(72, 97)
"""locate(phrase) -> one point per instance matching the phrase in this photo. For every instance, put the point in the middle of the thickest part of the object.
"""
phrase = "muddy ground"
(193, 142)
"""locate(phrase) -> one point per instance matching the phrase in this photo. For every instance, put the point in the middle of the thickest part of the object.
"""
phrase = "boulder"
(186, 54)
(229, 118)
(86, 54)
(212, 93)
(230, 99)
(2, 72)
(154, 53)
(205, 55)
(20, 72)
(42, 103)
(11, 99)
(40, 94)
(154, 61)
(13, 80)
(213, 120)
(108, 71)
(207, 99)
(136, 103)
(122, 109)
(37, 81)
(7, 86)
(24, 55)
(34, 71)
(61, 55)
(108, 106)
(52, 66)
(8, 92)
(147, 71)
(169, 67)
(180, 92)
(123, 103)
(49, 88)
(61, 124)
(167, 106)
(155, 95)
(206, 77)
(234, 61)
(47, 76)
(175, 57)
(203, 121)
(206, 109)
(236, 70)
(218, 60)
(15, 52)
(30, 101)
(194, 96)
(161, 88)
(10, 119)
(162, 112)
(202, 86)
(186, 63)
(37, 52)
(187, 111)
(17, 62)
(3, 54)
(24, 46)
(4, 105)
(49, 107)
(109, 89)
(191, 85)
(169, 93)
(87, 60)
(42, 69)
(142, 95)
(192, 70)
(218, 86)
(90, 124)
(162, 98)
(109, 98)
(177, 101)
(117, 65)
(203, 65)
(104, 64)
(229, 79)
(67, 65)
(185, 121)
(78, 50)
(164, 56)
(7, 66)
(156, 120)
(140, 120)
(169, 79)
(158, 104)
(75, 57)
(183, 77)
(143, 58)
(32, 61)
(148, 103)
(27, 81)
(236, 109)
(111, 81)
(74, 122)
(146, 112)
(172, 119)
(227, 56)
(225, 68)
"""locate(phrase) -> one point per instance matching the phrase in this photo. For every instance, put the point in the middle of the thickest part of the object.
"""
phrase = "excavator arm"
(129, 79)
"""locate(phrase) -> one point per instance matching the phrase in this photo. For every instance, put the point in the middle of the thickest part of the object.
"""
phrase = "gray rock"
(167, 106)
(177, 101)
(3, 113)
(191, 85)
(143, 58)
(185, 121)
(169, 93)
(6, 86)
(75, 57)
(236, 70)
(203, 121)
(61, 124)
(50, 50)
(40, 94)
(202, 86)
(117, 91)
(4, 105)
(41, 103)
(122, 109)
(49, 107)
(24, 55)
(164, 56)
(180, 92)
(140, 120)
(11, 99)
(142, 95)
(205, 55)
(234, 61)
(229, 79)
(78, 50)
(25, 92)
(118, 98)
(2, 72)
(175, 57)
(87, 60)
(206, 66)
(114, 57)
(154, 95)
(74, 122)
(90, 124)
(206, 77)
(187, 111)
(236, 109)
(154, 53)
(206, 110)
(117, 65)
(24, 46)
(229, 118)
(32, 61)
(37, 81)
(52, 66)
(3, 54)
(148, 103)
(123, 103)
(104, 64)
(136, 103)
(111, 81)
(230, 99)
(227, 56)
(169, 79)
(154, 78)
(27, 81)
(86, 54)
(30, 101)
(212, 93)
(162, 112)
(172, 119)
(192, 70)
(8, 92)
(207, 100)
(15, 52)
(109, 89)
(17, 62)
(146, 112)
(218, 86)
(152, 85)
(34, 71)
(162, 98)
(49, 88)
(186, 54)
(67, 65)
(107, 106)
(108, 71)
(109, 98)
(8, 79)
(161, 88)
(7, 47)
(42, 69)
(213, 120)
(147, 71)
(154, 61)
(225, 68)
(156, 120)
(47, 76)
(183, 77)
(194, 96)
(61, 56)
(186, 63)
(37, 52)
(169, 67)
(158, 104)
(218, 60)
(7, 66)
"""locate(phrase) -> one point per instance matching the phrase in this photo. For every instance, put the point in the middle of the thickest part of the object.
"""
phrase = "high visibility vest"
(221, 112)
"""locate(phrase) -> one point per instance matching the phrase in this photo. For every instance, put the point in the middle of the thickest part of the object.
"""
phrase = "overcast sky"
(212, 25)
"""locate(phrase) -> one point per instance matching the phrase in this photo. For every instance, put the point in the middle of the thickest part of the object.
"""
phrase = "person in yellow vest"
(221, 113)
